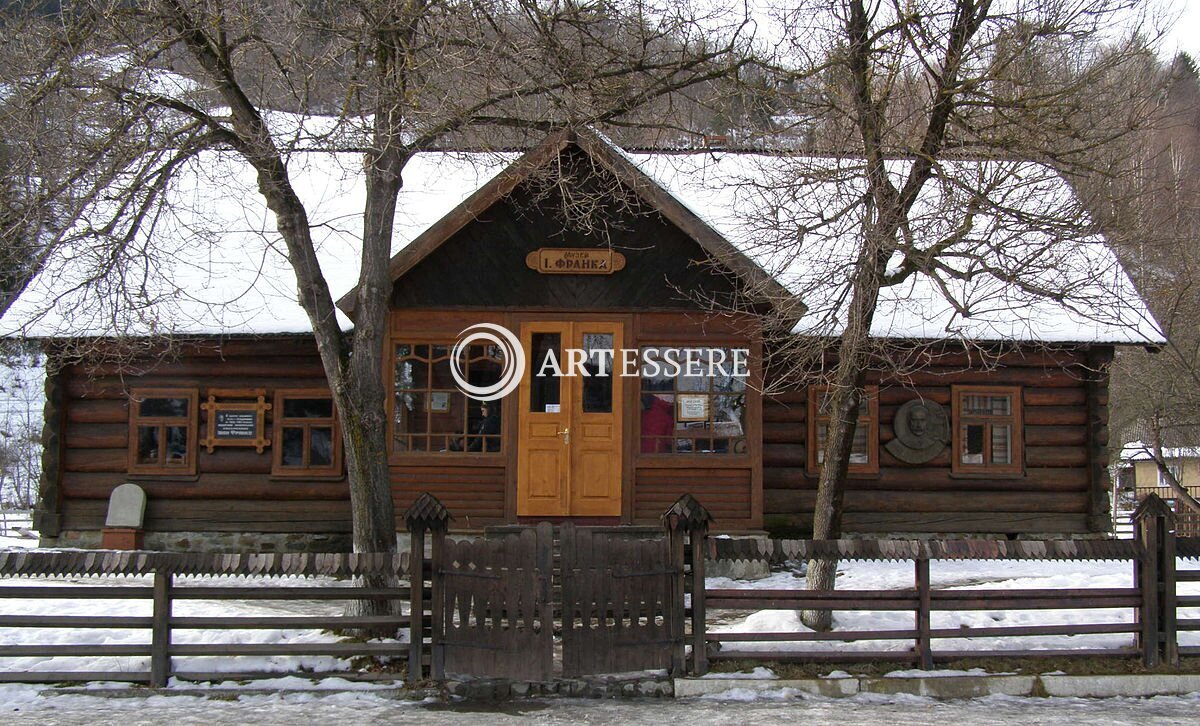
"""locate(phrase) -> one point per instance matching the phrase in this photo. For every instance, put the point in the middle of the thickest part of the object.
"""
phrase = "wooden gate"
(616, 602)
(493, 614)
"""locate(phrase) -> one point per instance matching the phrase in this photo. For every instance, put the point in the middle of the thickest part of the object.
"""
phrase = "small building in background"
(1183, 462)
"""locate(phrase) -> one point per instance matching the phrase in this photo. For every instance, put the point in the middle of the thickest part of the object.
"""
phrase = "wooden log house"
(236, 443)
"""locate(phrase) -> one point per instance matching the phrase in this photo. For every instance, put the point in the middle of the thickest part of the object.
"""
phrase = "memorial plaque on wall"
(233, 422)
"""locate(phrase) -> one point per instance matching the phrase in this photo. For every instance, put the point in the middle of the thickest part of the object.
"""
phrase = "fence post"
(1154, 521)
(688, 515)
(425, 514)
(1167, 577)
(924, 605)
(160, 631)
(416, 610)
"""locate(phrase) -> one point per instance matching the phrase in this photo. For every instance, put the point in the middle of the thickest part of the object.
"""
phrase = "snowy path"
(367, 709)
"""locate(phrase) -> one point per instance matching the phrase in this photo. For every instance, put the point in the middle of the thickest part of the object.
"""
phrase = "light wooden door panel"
(543, 456)
(596, 427)
(570, 438)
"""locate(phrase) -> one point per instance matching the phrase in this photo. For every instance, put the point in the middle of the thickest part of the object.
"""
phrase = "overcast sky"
(1185, 34)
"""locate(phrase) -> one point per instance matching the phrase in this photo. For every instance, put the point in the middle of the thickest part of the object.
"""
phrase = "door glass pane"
(598, 384)
(544, 389)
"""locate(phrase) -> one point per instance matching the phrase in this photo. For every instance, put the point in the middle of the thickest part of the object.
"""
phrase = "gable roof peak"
(616, 161)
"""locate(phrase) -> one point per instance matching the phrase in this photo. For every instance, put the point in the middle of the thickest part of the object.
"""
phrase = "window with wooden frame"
(693, 401)
(307, 439)
(864, 453)
(162, 431)
(987, 430)
(429, 413)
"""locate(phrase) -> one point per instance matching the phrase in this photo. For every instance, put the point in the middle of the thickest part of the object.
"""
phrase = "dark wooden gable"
(483, 263)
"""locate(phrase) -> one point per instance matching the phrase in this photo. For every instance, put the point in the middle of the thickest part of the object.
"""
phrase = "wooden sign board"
(575, 261)
(238, 422)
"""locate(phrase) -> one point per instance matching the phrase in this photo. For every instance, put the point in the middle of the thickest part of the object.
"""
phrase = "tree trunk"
(846, 397)
(1166, 475)
(372, 509)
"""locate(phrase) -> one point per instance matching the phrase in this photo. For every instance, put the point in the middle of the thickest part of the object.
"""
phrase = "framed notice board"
(236, 417)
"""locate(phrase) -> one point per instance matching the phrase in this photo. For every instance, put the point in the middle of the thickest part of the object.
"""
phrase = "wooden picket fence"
(164, 572)
(1151, 597)
(445, 611)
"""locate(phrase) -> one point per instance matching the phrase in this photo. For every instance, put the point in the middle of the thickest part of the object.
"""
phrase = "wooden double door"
(569, 455)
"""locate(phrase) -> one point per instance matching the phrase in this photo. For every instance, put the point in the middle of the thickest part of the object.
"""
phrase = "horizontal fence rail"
(162, 627)
(923, 601)
(1161, 600)
(1187, 592)
(1151, 598)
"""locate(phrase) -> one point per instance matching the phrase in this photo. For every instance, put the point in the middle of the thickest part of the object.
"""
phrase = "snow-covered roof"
(1140, 451)
(806, 236)
(219, 267)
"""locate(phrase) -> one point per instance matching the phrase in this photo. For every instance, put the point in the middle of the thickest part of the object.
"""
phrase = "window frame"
(728, 458)
(1015, 418)
(191, 422)
(484, 457)
(870, 417)
(279, 422)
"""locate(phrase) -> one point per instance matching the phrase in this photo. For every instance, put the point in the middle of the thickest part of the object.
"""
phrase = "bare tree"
(1153, 212)
(947, 125)
(20, 423)
(166, 80)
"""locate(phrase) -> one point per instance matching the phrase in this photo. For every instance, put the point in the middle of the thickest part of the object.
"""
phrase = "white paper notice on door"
(553, 407)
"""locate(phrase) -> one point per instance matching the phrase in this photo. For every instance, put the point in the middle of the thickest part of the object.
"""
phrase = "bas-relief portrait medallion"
(922, 432)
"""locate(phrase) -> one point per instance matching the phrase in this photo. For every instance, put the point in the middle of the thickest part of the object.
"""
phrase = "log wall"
(233, 490)
(1063, 489)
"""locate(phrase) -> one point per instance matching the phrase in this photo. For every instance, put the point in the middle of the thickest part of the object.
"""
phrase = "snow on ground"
(770, 708)
(852, 575)
(182, 608)
(955, 575)
(16, 530)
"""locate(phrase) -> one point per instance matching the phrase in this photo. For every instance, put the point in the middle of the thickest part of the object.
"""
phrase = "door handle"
(566, 434)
